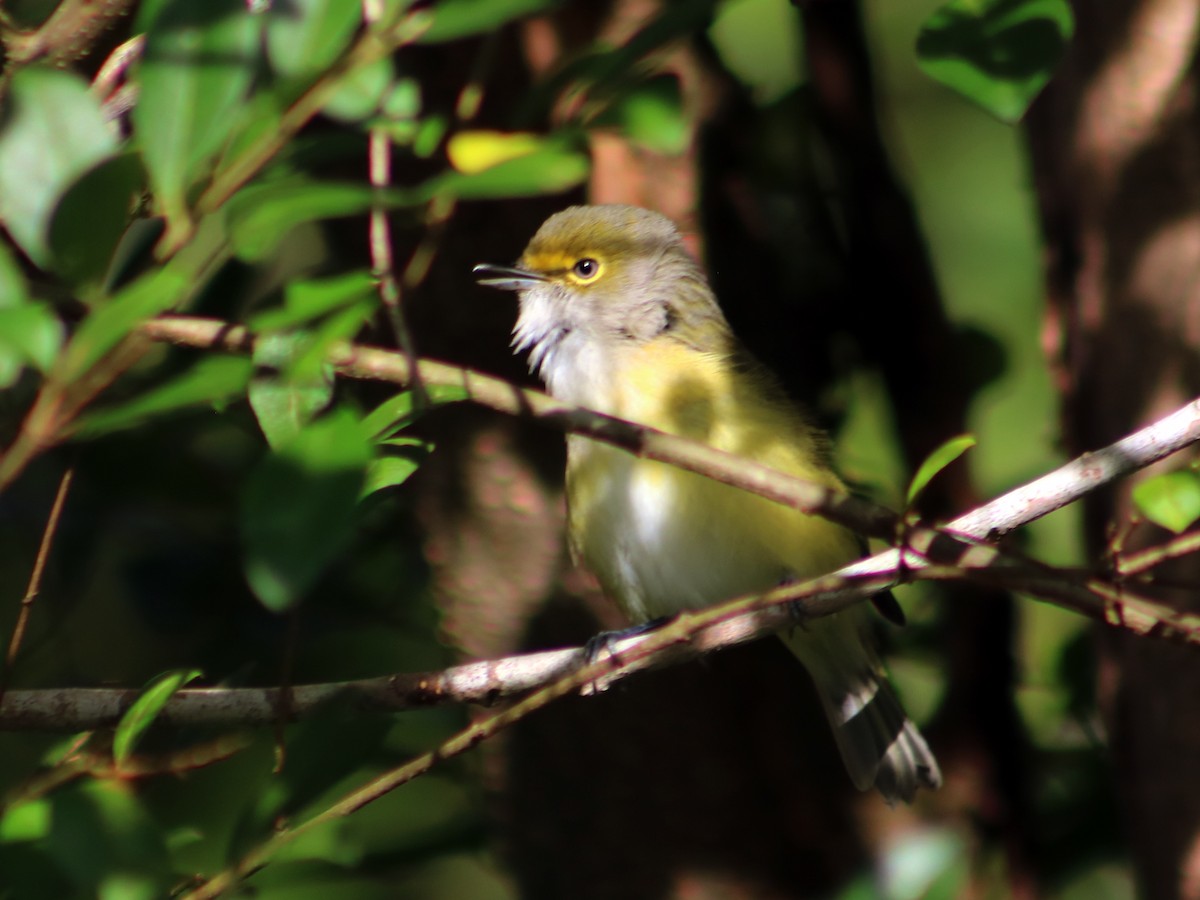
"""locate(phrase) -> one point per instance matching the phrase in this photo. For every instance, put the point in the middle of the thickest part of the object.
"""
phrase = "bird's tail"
(879, 744)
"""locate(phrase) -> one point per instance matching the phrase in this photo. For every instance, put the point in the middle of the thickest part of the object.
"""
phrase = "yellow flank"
(661, 539)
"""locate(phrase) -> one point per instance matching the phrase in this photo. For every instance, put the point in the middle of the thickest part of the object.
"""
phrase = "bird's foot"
(608, 640)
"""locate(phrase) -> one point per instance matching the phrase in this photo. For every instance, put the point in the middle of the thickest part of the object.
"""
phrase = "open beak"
(506, 278)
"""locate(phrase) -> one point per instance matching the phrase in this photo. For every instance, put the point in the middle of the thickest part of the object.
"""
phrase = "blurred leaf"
(454, 19)
(926, 862)
(260, 216)
(306, 301)
(760, 42)
(13, 290)
(429, 134)
(27, 821)
(1171, 500)
(309, 879)
(471, 152)
(30, 333)
(257, 121)
(100, 827)
(211, 380)
(936, 462)
(399, 463)
(361, 92)
(548, 171)
(305, 36)
(53, 132)
(997, 53)
(404, 100)
(196, 71)
(91, 219)
(396, 412)
(145, 709)
(134, 252)
(652, 116)
(284, 404)
(298, 507)
(149, 295)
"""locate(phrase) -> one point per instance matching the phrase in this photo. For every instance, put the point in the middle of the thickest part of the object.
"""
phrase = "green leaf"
(936, 462)
(454, 19)
(52, 132)
(399, 411)
(283, 404)
(306, 301)
(26, 821)
(13, 289)
(760, 41)
(1171, 500)
(997, 53)
(652, 116)
(258, 217)
(91, 218)
(29, 335)
(548, 171)
(145, 710)
(299, 505)
(305, 36)
(147, 296)
(210, 381)
(361, 92)
(396, 466)
(196, 71)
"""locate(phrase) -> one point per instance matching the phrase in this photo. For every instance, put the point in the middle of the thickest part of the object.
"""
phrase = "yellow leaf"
(471, 152)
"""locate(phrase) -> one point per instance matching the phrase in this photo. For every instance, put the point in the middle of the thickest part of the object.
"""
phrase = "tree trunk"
(1116, 156)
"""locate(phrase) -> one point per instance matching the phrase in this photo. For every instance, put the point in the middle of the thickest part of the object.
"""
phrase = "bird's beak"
(506, 278)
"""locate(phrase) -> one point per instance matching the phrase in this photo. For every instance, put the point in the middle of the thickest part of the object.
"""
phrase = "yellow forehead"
(555, 260)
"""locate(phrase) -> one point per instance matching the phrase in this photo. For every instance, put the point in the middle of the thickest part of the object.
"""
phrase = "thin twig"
(1181, 545)
(35, 579)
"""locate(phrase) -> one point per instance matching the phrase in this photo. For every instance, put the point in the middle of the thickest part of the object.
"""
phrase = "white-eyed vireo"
(618, 317)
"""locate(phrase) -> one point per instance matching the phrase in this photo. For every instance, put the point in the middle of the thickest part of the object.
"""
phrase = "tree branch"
(953, 551)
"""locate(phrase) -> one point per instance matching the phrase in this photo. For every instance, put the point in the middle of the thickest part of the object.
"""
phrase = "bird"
(617, 316)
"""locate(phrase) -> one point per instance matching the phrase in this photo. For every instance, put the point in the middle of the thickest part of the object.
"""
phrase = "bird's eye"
(586, 268)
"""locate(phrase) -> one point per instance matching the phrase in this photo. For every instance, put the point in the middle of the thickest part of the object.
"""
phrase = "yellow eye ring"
(586, 269)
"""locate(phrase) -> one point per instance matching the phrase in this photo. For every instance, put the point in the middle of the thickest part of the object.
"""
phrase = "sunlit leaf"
(997, 53)
(1171, 500)
(149, 295)
(282, 403)
(362, 92)
(454, 19)
(471, 152)
(145, 709)
(305, 36)
(398, 411)
(28, 821)
(298, 507)
(210, 381)
(305, 301)
(260, 216)
(760, 42)
(30, 333)
(652, 116)
(197, 67)
(401, 458)
(547, 171)
(936, 462)
(51, 133)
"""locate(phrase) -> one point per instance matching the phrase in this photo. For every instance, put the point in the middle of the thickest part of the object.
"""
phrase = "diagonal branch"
(953, 552)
